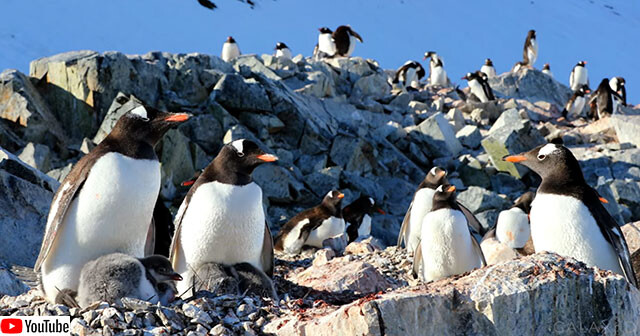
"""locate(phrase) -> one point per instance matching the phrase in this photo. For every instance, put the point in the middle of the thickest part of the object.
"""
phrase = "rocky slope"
(334, 124)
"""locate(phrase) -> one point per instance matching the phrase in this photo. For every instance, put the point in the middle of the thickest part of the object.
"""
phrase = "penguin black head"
(444, 197)
(617, 83)
(159, 267)
(230, 39)
(435, 177)
(364, 204)
(531, 34)
(488, 62)
(581, 63)
(551, 162)
(242, 157)
(546, 67)
(281, 45)
(146, 124)
(332, 201)
(470, 76)
(429, 54)
(325, 30)
(482, 75)
(524, 201)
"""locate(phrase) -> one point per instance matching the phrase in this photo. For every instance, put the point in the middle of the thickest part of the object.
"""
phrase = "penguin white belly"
(326, 44)
(564, 225)
(512, 228)
(352, 45)
(478, 90)
(292, 241)
(411, 78)
(330, 227)
(579, 78)
(283, 53)
(548, 73)
(446, 245)
(230, 51)
(111, 213)
(438, 76)
(578, 106)
(532, 53)
(489, 70)
(223, 223)
(145, 290)
(422, 203)
(365, 227)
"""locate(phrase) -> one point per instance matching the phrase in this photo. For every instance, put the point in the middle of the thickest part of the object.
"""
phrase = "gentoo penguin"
(312, 226)
(485, 84)
(357, 216)
(530, 51)
(222, 217)
(575, 104)
(253, 281)
(117, 275)
(603, 101)
(518, 66)
(345, 40)
(418, 208)
(567, 215)
(238, 279)
(479, 87)
(106, 202)
(167, 292)
(283, 51)
(546, 69)
(579, 76)
(511, 236)
(488, 68)
(326, 43)
(163, 224)
(617, 86)
(230, 50)
(447, 246)
(409, 75)
(437, 74)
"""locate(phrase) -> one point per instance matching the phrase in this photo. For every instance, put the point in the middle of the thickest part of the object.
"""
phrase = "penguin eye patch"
(541, 157)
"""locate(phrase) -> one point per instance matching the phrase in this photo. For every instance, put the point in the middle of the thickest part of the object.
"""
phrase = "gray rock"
(472, 172)
(259, 121)
(469, 136)
(487, 219)
(375, 86)
(506, 184)
(235, 94)
(176, 160)
(311, 163)
(510, 134)
(37, 156)
(438, 129)
(8, 139)
(627, 128)
(531, 85)
(353, 154)
(364, 185)
(254, 65)
(324, 180)
(121, 104)
(59, 174)
(317, 84)
(628, 193)
(10, 284)
(351, 68)
(478, 199)
(204, 130)
(278, 184)
(456, 118)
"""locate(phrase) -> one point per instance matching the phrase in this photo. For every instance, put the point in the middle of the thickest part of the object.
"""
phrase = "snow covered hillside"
(602, 32)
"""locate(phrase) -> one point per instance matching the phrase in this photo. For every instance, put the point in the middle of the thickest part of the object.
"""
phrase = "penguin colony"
(100, 234)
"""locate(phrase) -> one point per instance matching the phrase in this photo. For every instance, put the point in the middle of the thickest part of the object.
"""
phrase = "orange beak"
(451, 189)
(340, 196)
(603, 200)
(515, 158)
(268, 157)
(187, 183)
(177, 117)
(381, 211)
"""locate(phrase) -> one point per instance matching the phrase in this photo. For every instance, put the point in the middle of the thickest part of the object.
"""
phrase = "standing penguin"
(617, 85)
(530, 51)
(409, 75)
(345, 40)
(326, 45)
(117, 275)
(511, 236)
(283, 51)
(222, 217)
(312, 226)
(357, 216)
(518, 66)
(230, 50)
(106, 202)
(546, 69)
(437, 74)
(488, 68)
(479, 87)
(447, 246)
(575, 104)
(567, 215)
(603, 101)
(579, 76)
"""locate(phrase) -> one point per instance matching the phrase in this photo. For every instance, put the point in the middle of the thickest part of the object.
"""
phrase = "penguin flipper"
(267, 251)
(175, 242)
(404, 227)
(27, 275)
(612, 233)
(472, 221)
(476, 247)
(417, 260)
(490, 234)
(150, 244)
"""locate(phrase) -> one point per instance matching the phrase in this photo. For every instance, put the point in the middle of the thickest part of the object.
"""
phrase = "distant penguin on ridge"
(579, 76)
(546, 69)
(603, 101)
(345, 40)
(437, 74)
(488, 68)
(283, 51)
(575, 105)
(357, 217)
(617, 85)
(230, 50)
(326, 44)
(479, 87)
(409, 75)
(530, 51)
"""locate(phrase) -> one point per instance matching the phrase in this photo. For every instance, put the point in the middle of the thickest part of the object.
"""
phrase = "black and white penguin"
(326, 45)
(106, 202)
(579, 76)
(617, 85)
(222, 217)
(409, 75)
(230, 50)
(567, 215)
(518, 66)
(530, 51)
(575, 105)
(357, 217)
(114, 276)
(283, 51)
(163, 224)
(238, 279)
(312, 226)
(511, 236)
(437, 74)
(345, 40)
(603, 102)
(546, 69)
(479, 86)
(447, 246)
(488, 68)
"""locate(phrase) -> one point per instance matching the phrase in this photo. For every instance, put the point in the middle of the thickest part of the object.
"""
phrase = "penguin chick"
(253, 281)
(215, 278)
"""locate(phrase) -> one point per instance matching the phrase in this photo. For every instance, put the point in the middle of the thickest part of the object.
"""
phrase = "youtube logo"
(11, 326)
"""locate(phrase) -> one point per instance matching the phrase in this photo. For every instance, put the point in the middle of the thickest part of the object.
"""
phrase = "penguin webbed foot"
(67, 297)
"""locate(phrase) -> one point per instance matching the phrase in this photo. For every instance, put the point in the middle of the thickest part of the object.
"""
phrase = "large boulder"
(440, 133)
(531, 85)
(627, 128)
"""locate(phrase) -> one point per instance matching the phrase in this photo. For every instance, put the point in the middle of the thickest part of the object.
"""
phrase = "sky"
(464, 32)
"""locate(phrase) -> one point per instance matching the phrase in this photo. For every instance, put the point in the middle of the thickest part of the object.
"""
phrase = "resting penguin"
(575, 104)
(567, 215)
(106, 202)
(117, 275)
(447, 246)
(603, 102)
(479, 86)
(345, 40)
(409, 75)
(357, 216)
(222, 217)
(283, 51)
(488, 68)
(230, 50)
(312, 226)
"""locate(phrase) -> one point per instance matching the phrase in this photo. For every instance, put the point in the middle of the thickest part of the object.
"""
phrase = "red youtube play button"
(11, 326)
